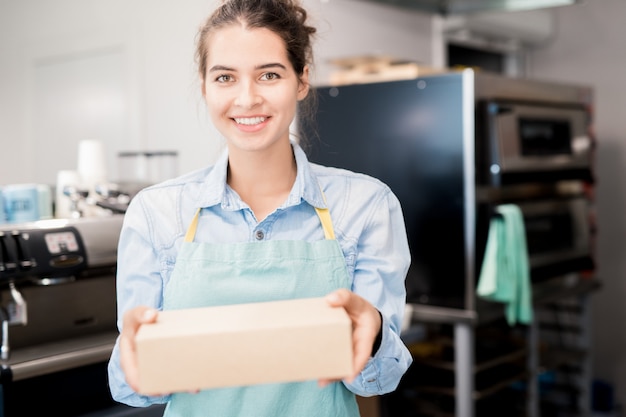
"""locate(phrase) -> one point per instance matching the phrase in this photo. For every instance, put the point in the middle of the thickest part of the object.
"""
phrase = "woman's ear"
(303, 85)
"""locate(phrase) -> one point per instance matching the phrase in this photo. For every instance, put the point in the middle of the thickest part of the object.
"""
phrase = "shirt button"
(259, 235)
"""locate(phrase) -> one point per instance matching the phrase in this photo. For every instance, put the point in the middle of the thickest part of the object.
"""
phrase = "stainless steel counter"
(48, 358)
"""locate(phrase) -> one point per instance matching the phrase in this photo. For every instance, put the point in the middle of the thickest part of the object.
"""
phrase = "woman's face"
(251, 88)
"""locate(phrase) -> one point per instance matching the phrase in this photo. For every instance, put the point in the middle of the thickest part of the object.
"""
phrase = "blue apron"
(221, 274)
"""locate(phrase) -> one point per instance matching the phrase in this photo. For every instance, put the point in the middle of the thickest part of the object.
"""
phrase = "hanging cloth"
(504, 275)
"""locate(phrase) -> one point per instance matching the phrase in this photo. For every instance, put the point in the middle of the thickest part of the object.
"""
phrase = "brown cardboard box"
(245, 344)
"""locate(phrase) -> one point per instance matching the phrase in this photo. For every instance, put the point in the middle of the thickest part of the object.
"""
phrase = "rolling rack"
(469, 360)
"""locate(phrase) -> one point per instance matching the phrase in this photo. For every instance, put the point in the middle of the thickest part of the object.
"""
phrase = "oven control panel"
(41, 253)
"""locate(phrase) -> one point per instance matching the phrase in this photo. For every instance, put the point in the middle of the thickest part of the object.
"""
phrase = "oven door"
(557, 236)
(524, 142)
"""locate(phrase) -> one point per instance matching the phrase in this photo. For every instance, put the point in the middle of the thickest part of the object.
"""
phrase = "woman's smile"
(251, 124)
(250, 120)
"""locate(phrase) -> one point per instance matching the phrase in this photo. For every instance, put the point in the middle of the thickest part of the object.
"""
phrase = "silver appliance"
(526, 138)
(58, 311)
(558, 231)
(535, 148)
(433, 141)
(558, 223)
(452, 147)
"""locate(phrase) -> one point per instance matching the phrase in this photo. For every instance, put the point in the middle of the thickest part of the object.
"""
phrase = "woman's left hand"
(366, 323)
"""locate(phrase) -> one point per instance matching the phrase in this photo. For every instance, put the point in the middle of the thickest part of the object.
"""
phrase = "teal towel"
(504, 275)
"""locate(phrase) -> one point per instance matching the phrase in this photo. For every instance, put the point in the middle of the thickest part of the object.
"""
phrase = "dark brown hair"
(286, 18)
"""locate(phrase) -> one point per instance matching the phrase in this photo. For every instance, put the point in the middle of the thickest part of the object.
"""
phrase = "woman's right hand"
(132, 320)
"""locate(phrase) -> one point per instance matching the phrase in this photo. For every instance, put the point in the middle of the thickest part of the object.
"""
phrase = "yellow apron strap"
(191, 231)
(327, 223)
(324, 215)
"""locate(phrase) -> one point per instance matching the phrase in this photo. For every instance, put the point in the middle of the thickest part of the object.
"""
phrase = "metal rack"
(556, 342)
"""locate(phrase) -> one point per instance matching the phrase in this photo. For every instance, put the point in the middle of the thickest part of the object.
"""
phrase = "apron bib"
(222, 274)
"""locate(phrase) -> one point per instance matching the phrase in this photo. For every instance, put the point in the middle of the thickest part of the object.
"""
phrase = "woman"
(288, 228)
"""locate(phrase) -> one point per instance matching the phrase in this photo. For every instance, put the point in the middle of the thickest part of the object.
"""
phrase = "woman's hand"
(366, 323)
(132, 320)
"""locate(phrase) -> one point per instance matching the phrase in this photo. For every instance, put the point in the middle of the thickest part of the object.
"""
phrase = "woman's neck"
(262, 179)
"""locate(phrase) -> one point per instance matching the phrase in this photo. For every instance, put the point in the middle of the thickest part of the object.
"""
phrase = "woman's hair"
(286, 18)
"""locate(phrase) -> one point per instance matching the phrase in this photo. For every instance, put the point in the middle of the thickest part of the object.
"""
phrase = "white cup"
(91, 164)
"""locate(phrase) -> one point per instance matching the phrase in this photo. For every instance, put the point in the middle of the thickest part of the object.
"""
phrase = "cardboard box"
(245, 344)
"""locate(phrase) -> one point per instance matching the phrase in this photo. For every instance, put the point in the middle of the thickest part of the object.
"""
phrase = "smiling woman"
(264, 224)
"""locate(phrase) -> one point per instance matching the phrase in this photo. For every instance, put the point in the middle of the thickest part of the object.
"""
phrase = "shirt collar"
(215, 191)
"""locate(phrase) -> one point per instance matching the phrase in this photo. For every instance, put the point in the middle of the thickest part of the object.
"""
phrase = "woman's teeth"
(249, 120)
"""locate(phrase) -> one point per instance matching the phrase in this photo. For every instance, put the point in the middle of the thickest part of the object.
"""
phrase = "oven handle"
(494, 110)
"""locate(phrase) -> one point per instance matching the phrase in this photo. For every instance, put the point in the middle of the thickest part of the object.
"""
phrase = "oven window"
(545, 137)
(549, 232)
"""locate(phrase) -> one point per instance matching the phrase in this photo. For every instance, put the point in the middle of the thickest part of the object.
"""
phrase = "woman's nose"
(247, 96)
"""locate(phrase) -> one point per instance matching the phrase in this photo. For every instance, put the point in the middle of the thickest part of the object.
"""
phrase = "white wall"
(61, 61)
(589, 48)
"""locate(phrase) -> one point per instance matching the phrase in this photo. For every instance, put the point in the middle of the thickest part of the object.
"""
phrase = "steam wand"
(17, 316)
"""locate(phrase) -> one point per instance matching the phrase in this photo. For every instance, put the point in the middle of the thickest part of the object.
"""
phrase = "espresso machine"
(58, 312)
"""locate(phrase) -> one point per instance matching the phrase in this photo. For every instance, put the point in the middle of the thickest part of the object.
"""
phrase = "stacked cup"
(91, 164)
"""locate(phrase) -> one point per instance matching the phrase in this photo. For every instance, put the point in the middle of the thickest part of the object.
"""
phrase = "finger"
(365, 322)
(356, 306)
(362, 348)
(325, 382)
(128, 362)
(341, 298)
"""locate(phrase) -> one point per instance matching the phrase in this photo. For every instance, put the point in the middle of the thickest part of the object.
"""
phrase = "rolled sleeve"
(384, 370)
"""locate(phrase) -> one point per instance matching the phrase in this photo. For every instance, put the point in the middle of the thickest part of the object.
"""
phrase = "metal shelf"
(479, 367)
(461, 371)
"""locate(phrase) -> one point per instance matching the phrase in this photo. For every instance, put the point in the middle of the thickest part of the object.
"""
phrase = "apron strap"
(327, 223)
(322, 213)
(191, 230)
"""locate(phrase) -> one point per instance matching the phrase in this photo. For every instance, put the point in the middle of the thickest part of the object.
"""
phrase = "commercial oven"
(454, 145)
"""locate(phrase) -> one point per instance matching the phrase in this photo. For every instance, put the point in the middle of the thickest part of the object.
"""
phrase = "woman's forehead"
(236, 44)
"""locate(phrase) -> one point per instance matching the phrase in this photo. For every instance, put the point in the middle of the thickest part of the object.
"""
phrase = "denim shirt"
(368, 225)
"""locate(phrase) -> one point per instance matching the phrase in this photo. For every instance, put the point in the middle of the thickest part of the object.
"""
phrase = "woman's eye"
(270, 76)
(224, 78)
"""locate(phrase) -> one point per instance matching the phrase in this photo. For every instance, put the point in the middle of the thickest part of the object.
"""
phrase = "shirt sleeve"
(139, 282)
(382, 263)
